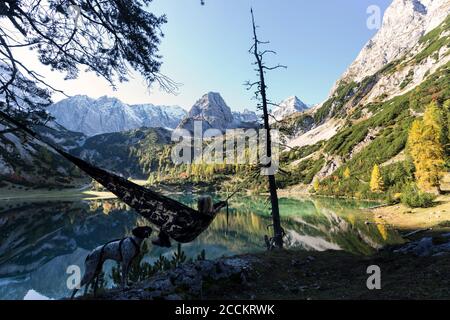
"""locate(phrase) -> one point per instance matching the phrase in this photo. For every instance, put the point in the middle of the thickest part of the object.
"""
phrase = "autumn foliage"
(376, 180)
(426, 149)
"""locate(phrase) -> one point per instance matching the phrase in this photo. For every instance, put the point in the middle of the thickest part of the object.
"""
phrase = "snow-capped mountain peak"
(288, 107)
(108, 114)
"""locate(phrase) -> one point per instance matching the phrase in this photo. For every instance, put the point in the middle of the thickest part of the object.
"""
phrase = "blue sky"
(206, 46)
(206, 49)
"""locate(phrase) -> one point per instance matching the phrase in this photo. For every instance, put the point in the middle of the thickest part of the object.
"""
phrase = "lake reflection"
(39, 240)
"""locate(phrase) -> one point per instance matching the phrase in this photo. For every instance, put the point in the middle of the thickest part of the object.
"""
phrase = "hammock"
(177, 220)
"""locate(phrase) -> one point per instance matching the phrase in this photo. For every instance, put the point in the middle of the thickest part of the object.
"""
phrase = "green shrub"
(433, 41)
(141, 270)
(409, 77)
(414, 198)
(392, 198)
(444, 224)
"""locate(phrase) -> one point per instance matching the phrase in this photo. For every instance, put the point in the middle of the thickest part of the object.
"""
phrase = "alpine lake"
(40, 239)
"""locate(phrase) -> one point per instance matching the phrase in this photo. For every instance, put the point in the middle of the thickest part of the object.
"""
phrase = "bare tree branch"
(275, 67)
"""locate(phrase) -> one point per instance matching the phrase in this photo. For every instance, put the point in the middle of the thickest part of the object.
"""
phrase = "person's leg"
(163, 240)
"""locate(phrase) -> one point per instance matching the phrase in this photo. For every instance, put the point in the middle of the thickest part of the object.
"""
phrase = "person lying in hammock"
(205, 207)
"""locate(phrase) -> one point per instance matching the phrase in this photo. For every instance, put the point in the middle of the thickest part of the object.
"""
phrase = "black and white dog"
(123, 251)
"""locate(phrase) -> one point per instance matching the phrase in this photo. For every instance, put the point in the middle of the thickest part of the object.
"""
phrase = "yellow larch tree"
(347, 173)
(316, 184)
(376, 180)
(425, 148)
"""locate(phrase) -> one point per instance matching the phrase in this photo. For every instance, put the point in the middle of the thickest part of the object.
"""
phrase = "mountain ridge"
(106, 115)
(404, 23)
(423, 57)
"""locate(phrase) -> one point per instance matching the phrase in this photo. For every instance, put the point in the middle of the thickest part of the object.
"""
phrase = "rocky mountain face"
(288, 107)
(246, 116)
(214, 113)
(368, 113)
(29, 162)
(105, 115)
(404, 23)
(411, 44)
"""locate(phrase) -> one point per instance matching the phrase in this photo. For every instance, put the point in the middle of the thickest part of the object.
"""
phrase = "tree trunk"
(278, 231)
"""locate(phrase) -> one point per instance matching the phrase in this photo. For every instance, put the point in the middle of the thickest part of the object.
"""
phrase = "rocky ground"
(416, 270)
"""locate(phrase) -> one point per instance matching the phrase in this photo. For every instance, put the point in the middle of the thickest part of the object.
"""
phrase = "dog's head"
(142, 232)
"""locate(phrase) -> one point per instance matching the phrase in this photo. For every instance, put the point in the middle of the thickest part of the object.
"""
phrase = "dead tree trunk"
(262, 94)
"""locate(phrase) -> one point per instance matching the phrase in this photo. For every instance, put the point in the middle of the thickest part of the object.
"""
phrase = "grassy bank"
(54, 194)
(14, 192)
(404, 218)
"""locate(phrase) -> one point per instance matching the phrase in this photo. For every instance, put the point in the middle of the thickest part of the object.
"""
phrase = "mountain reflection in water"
(39, 240)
